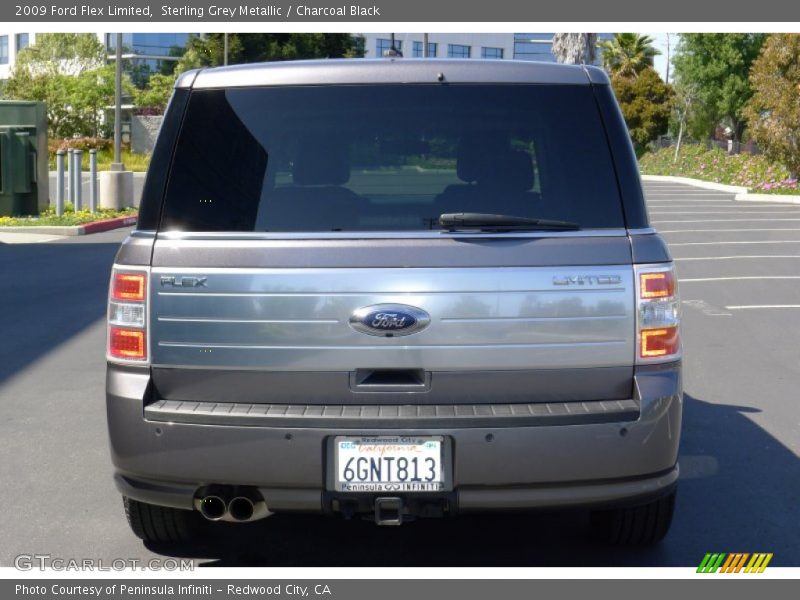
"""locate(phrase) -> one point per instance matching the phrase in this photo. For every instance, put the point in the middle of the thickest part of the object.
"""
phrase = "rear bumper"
(503, 467)
(603, 494)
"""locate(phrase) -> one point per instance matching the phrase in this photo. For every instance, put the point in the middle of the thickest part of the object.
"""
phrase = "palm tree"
(627, 54)
(575, 48)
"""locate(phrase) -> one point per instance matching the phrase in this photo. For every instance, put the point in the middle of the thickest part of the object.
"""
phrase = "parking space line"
(736, 257)
(735, 242)
(727, 230)
(760, 306)
(725, 212)
(746, 278)
(724, 220)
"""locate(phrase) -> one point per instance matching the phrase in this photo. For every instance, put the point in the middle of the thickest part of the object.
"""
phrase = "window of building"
(458, 51)
(22, 41)
(3, 49)
(491, 52)
(539, 46)
(386, 44)
(432, 47)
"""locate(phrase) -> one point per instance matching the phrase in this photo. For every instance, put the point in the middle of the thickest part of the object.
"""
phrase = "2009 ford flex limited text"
(393, 289)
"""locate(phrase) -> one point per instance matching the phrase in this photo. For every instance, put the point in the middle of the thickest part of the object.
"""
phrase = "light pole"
(117, 165)
(225, 50)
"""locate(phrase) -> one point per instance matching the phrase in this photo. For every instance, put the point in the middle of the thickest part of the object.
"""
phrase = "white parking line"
(737, 257)
(758, 306)
(736, 242)
(746, 278)
(725, 220)
(726, 230)
(727, 212)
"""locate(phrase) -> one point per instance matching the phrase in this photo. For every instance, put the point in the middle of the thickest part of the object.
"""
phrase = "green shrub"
(755, 172)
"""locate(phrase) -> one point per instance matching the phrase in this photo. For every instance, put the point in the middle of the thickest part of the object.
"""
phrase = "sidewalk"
(740, 193)
(27, 238)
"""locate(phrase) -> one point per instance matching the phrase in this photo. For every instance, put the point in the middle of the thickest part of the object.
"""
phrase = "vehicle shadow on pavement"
(738, 493)
(48, 294)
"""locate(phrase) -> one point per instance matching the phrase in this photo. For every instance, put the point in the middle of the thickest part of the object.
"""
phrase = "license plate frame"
(445, 462)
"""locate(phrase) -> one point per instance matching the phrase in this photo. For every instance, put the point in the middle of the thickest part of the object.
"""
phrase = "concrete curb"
(742, 194)
(67, 230)
(699, 183)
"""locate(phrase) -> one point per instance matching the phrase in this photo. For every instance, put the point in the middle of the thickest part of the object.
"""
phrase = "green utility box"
(24, 172)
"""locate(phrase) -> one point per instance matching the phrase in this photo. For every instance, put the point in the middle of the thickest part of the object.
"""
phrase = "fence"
(729, 146)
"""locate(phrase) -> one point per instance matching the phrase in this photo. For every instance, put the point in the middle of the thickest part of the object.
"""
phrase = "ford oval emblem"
(389, 320)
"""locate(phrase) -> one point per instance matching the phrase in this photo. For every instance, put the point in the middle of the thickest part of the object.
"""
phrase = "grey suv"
(393, 289)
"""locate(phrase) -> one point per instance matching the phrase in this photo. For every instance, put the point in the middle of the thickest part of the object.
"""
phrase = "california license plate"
(390, 464)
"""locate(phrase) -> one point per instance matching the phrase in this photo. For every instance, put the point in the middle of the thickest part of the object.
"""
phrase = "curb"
(69, 230)
(699, 183)
(742, 194)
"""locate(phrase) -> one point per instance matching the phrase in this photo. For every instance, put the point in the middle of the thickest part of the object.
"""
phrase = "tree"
(773, 112)
(62, 53)
(575, 48)
(646, 104)
(260, 47)
(628, 54)
(156, 94)
(718, 66)
(68, 71)
(684, 101)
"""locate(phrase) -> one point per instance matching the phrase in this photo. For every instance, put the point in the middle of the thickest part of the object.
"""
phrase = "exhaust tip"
(241, 508)
(212, 508)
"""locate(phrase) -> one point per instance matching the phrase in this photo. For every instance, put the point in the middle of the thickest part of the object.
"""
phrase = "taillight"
(127, 316)
(657, 315)
(128, 286)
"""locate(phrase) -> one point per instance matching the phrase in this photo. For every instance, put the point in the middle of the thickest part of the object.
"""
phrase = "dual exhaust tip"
(231, 504)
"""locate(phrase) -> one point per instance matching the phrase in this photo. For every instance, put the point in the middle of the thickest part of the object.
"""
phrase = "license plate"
(389, 464)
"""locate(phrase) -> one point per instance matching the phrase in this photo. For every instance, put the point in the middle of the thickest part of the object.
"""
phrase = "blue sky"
(661, 43)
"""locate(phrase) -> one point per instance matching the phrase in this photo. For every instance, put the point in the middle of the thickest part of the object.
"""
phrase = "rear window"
(388, 158)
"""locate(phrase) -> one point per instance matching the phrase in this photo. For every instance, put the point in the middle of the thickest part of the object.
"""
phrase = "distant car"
(394, 289)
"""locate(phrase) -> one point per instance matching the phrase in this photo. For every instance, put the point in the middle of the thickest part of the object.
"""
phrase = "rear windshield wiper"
(489, 222)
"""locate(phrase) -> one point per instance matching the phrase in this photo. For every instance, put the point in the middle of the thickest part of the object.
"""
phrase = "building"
(144, 53)
(519, 46)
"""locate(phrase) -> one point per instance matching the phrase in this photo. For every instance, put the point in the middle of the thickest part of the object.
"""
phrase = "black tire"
(642, 525)
(163, 524)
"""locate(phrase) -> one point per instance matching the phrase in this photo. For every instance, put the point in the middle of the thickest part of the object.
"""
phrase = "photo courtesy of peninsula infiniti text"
(393, 289)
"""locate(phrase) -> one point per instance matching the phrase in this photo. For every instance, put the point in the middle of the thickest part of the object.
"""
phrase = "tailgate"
(261, 333)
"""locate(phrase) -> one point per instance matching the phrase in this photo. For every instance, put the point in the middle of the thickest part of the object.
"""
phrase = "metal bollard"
(70, 179)
(60, 183)
(78, 181)
(93, 180)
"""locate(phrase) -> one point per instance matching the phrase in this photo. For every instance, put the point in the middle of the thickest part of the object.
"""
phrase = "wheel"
(163, 524)
(636, 525)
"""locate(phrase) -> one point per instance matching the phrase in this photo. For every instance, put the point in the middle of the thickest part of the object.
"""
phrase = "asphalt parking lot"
(740, 456)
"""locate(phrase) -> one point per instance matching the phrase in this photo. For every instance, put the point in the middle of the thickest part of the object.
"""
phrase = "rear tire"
(642, 525)
(163, 524)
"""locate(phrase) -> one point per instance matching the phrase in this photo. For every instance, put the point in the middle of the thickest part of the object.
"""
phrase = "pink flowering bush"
(756, 173)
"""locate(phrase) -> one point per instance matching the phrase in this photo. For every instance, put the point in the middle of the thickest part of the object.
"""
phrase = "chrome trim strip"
(399, 294)
(361, 348)
(262, 321)
(385, 235)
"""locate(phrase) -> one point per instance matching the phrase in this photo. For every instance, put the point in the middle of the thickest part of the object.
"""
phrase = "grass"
(70, 217)
(132, 161)
(755, 172)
